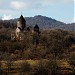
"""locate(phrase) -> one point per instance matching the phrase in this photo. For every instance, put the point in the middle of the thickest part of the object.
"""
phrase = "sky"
(61, 10)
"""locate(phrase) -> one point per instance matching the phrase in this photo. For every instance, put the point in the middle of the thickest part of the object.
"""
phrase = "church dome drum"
(21, 23)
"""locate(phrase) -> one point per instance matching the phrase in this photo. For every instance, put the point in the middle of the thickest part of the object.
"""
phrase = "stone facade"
(21, 29)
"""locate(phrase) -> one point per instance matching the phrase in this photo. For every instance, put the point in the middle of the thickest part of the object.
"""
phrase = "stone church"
(18, 34)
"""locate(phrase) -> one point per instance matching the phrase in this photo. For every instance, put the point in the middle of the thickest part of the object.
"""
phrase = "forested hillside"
(55, 48)
(49, 41)
(51, 52)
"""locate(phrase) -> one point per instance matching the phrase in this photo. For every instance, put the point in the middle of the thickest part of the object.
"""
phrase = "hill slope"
(48, 23)
(42, 21)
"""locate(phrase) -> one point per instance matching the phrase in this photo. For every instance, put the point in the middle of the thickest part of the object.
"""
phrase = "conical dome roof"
(21, 23)
(21, 19)
(36, 26)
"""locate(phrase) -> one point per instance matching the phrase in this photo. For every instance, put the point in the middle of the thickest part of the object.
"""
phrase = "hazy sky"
(62, 10)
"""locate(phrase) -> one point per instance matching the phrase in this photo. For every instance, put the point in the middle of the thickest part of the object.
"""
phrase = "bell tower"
(21, 24)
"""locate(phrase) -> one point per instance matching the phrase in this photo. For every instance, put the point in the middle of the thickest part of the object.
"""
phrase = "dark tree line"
(53, 41)
(7, 24)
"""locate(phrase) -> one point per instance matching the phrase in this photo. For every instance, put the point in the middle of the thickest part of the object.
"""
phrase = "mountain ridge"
(44, 23)
(48, 23)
